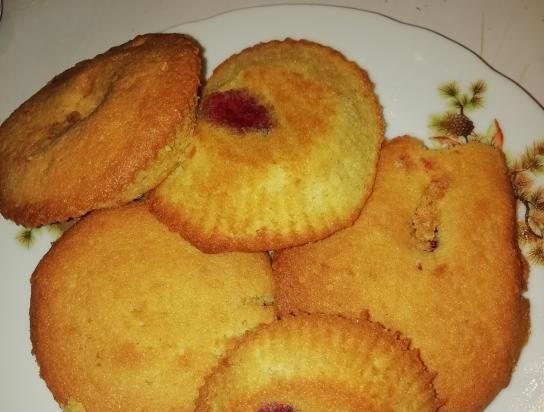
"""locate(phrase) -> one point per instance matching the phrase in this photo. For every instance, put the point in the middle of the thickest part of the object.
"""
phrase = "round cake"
(284, 151)
(125, 315)
(101, 133)
(319, 363)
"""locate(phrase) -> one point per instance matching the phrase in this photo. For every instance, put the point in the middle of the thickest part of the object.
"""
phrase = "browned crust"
(460, 304)
(125, 315)
(307, 354)
(212, 242)
(101, 133)
(239, 162)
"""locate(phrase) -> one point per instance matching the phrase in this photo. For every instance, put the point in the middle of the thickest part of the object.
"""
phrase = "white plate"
(408, 64)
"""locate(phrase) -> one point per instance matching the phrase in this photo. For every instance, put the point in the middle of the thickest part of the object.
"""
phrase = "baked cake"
(284, 152)
(434, 256)
(127, 316)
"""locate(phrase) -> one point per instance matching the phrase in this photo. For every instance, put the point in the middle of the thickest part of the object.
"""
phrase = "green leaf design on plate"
(27, 237)
(454, 124)
(454, 127)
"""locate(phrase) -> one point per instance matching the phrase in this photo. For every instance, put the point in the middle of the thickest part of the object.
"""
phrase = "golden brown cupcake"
(434, 256)
(102, 133)
(128, 316)
(284, 152)
(319, 363)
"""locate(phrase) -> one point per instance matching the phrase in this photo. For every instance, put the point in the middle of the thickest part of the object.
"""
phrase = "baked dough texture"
(320, 363)
(127, 316)
(302, 177)
(101, 133)
(432, 255)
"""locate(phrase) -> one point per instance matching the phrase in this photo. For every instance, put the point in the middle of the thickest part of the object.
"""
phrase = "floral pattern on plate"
(454, 127)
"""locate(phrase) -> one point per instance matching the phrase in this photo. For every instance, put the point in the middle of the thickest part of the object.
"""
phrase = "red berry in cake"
(276, 407)
(236, 109)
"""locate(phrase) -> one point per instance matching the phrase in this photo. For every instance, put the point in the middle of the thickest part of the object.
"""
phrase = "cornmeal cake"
(101, 133)
(434, 256)
(127, 316)
(320, 363)
(285, 150)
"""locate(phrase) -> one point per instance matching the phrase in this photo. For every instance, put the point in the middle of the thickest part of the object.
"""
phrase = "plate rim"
(363, 11)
